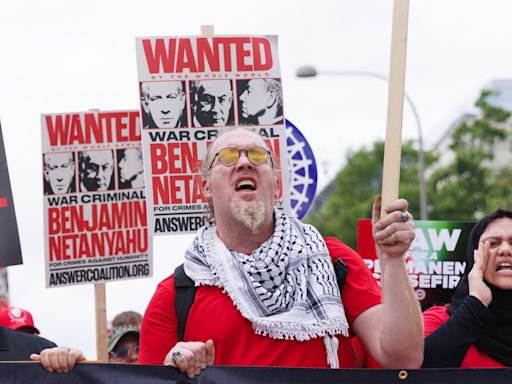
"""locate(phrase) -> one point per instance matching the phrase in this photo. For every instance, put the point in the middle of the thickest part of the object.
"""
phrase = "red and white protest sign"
(95, 214)
(190, 88)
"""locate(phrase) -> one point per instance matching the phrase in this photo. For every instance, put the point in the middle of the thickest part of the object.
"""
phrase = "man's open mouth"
(245, 185)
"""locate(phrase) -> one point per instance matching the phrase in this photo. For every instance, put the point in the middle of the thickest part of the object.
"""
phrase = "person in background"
(475, 329)
(127, 318)
(123, 345)
(267, 293)
(18, 319)
(22, 346)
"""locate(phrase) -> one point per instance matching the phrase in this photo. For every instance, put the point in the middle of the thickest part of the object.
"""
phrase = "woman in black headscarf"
(475, 330)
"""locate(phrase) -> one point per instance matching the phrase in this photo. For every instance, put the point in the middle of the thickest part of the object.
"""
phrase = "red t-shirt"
(362, 357)
(434, 317)
(214, 316)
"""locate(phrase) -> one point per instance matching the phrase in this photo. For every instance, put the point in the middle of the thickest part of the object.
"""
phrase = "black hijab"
(495, 338)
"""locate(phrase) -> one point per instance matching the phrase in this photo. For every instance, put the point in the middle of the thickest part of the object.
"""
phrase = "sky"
(71, 56)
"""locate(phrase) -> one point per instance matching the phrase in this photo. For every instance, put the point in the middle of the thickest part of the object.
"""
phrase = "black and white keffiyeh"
(287, 287)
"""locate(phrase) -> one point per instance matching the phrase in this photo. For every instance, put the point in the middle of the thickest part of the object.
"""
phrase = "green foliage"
(463, 189)
(466, 187)
(500, 195)
(356, 186)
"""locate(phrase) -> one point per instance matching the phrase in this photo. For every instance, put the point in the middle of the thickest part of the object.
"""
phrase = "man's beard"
(250, 214)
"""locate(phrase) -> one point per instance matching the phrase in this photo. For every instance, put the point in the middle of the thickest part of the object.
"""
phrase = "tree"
(467, 186)
(463, 189)
(501, 193)
(356, 186)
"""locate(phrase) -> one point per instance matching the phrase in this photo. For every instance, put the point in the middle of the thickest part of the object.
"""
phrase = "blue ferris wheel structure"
(303, 171)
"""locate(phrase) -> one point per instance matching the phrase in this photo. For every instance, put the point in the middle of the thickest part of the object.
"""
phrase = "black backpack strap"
(185, 295)
(341, 270)
(186, 292)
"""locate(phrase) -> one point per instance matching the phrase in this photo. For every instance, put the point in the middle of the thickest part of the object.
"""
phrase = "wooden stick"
(208, 30)
(101, 322)
(100, 303)
(393, 144)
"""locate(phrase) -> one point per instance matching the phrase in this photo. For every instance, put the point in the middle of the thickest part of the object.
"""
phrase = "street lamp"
(310, 71)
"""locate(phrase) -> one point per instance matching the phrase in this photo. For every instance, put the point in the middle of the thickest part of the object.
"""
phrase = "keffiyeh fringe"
(287, 287)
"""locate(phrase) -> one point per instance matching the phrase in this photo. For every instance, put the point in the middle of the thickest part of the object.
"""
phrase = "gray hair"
(273, 85)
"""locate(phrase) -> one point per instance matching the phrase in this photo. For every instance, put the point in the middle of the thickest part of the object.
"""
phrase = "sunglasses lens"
(229, 156)
(121, 353)
(124, 353)
(257, 155)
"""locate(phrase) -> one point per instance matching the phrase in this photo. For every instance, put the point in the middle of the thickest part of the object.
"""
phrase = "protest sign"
(435, 260)
(190, 88)
(9, 238)
(95, 215)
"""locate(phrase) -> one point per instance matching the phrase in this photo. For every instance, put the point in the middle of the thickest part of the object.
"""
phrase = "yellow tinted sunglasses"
(230, 155)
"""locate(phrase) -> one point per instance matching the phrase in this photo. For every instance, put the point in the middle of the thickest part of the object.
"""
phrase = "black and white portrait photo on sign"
(260, 102)
(212, 103)
(130, 168)
(163, 104)
(96, 170)
(59, 173)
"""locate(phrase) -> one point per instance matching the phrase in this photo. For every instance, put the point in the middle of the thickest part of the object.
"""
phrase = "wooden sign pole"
(393, 144)
(100, 303)
(207, 30)
(101, 322)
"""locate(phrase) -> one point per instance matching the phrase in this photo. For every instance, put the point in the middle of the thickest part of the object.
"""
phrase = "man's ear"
(205, 188)
(270, 99)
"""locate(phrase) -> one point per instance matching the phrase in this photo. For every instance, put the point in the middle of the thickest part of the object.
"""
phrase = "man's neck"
(237, 237)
